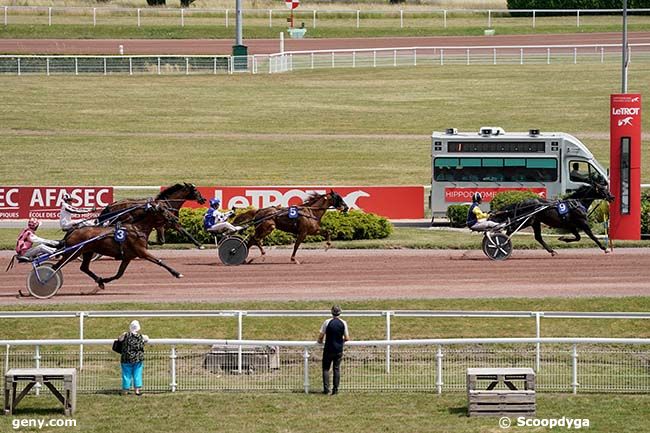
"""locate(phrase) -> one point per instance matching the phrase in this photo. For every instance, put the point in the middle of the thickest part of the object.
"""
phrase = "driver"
(27, 238)
(215, 221)
(67, 211)
(477, 220)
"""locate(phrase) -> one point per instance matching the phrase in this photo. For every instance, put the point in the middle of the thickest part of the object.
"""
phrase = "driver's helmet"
(66, 197)
(214, 203)
(477, 197)
(33, 223)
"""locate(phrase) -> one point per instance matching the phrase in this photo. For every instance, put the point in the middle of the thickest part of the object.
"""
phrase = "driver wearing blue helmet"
(215, 221)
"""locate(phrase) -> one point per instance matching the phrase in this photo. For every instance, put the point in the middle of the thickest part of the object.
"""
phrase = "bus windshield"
(498, 170)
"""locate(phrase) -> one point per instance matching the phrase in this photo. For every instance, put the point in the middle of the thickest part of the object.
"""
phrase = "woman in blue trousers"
(132, 358)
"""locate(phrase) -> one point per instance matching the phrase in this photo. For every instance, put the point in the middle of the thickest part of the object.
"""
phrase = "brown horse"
(303, 220)
(132, 245)
(173, 198)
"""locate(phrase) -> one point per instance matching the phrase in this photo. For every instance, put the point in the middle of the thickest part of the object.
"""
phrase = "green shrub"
(457, 214)
(645, 212)
(354, 225)
(576, 4)
(507, 198)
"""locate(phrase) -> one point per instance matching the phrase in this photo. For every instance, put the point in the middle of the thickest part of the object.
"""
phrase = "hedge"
(577, 4)
(354, 225)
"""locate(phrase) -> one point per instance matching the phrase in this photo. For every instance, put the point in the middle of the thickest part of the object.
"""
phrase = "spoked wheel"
(497, 246)
(233, 251)
(43, 281)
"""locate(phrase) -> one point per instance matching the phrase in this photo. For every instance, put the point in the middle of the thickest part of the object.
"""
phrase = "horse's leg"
(585, 228)
(123, 265)
(537, 228)
(328, 238)
(574, 232)
(145, 255)
(85, 268)
(261, 231)
(301, 237)
(160, 235)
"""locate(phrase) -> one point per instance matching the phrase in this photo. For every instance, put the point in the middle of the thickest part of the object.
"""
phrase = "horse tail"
(245, 217)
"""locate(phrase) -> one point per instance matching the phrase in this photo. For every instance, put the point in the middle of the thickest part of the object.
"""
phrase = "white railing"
(569, 364)
(389, 317)
(314, 18)
(305, 60)
(453, 55)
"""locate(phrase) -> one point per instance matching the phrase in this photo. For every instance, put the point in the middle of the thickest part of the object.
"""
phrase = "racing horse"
(302, 220)
(173, 197)
(569, 214)
(124, 242)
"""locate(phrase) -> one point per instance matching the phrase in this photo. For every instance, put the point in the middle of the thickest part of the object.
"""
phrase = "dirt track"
(355, 274)
(268, 46)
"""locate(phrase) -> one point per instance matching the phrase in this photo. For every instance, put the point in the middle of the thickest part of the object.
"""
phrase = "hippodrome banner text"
(464, 195)
(44, 202)
(393, 202)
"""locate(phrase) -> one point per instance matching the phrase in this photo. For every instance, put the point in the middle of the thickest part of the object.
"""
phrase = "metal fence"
(315, 18)
(567, 364)
(306, 60)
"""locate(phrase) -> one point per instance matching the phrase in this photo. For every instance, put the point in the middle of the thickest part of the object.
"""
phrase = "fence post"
(578, 18)
(187, 66)
(575, 56)
(388, 337)
(468, 57)
(415, 56)
(314, 19)
(574, 356)
(81, 314)
(49, 16)
(182, 17)
(76, 66)
(548, 56)
(394, 57)
(158, 65)
(374, 58)
(47, 72)
(239, 337)
(312, 60)
(444, 17)
(401, 18)
(538, 334)
(332, 59)
(521, 56)
(494, 56)
(533, 18)
(138, 17)
(18, 65)
(6, 15)
(37, 359)
(94, 17)
(215, 65)
(7, 359)
(439, 357)
(489, 19)
(442, 56)
(354, 59)
(130, 65)
(172, 358)
(602, 55)
(105, 72)
(226, 18)
(357, 18)
(270, 17)
(305, 357)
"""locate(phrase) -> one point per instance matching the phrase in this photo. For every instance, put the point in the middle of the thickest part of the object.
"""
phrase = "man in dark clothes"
(335, 333)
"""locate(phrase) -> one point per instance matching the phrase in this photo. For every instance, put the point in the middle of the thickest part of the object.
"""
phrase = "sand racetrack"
(353, 274)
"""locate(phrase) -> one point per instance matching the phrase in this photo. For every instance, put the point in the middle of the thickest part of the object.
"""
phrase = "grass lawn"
(352, 412)
(369, 126)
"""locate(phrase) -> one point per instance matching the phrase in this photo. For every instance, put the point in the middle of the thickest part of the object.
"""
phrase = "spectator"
(25, 243)
(335, 332)
(132, 358)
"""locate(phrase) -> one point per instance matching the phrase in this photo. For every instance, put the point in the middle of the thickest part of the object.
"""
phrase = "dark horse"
(575, 219)
(305, 222)
(133, 246)
(173, 198)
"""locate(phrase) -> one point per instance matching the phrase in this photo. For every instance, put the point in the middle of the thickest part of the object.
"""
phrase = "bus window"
(515, 170)
(579, 172)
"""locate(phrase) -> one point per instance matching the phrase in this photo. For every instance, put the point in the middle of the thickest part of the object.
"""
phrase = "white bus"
(492, 161)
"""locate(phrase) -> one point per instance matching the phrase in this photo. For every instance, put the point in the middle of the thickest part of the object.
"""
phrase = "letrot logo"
(626, 111)
(627, 121)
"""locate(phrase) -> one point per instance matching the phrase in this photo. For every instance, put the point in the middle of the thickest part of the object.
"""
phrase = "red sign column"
(625, 166)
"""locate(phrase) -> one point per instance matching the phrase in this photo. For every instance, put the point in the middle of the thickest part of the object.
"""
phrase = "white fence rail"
(568, 364)
(304, 60)
(314, 18)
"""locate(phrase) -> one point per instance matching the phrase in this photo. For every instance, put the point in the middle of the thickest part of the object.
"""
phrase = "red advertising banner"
(464, 195)
(44, 202)
(625, 166)
(393, 202)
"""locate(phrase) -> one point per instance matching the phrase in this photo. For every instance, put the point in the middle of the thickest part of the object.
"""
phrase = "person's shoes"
(326, 391)
(138, 393)
(335, 391)
(124, 392)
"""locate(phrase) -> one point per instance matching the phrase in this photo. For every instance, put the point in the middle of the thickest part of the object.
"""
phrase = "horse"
(302, 220)
(123, 241)
(574, 216)
(173, 197)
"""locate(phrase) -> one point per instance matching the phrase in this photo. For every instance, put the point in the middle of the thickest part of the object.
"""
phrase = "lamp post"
(239, 50)
(625, 50)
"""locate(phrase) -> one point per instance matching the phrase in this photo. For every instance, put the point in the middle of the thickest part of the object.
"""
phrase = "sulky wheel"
(233, 251)
(497, 246)
(43, 281)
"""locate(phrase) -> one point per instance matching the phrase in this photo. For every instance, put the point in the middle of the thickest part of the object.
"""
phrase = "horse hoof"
(180, 276)
(100, 284)
(202, 247)
(553, 254)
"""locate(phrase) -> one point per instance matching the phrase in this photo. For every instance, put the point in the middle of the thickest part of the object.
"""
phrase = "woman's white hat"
(134, 326)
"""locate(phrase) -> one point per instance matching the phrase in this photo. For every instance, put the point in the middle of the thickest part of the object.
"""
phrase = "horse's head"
(336, 201)
(593, 191)
(601, 191)
(193, 193)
